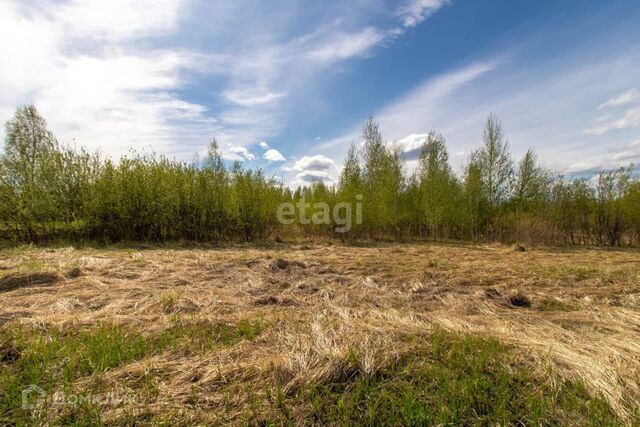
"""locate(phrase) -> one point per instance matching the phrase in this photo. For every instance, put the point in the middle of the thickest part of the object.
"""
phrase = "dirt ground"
(574, 313)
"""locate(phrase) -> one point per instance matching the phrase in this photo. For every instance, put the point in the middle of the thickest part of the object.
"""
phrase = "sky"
(286, 85)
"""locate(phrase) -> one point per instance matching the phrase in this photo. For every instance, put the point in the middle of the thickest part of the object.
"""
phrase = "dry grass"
(330, 310)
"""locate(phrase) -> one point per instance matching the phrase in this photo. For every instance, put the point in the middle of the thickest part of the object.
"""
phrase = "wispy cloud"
(630, 154)
(249, 98)
(630, 119)
(624, 156)
(264, 75)
(629, 97)
(409, 111)
(413, 12)
(346, 45)
(108, 74)
(457, 102)
(618, 121)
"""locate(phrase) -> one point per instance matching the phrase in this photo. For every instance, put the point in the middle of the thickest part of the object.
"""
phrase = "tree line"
(50, 190)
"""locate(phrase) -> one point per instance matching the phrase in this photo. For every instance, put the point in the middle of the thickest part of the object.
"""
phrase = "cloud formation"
(119, 74)
(273, 155)
(342, 46)
(317, 162)
(614, 121)
(413, 12)
(238, 153)
(630, 119)
(249, 98)
(411, 145)
(311, 169)
(629, 97)
(78, 63)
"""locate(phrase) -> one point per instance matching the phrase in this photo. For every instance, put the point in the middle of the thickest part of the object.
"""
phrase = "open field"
(410, 334)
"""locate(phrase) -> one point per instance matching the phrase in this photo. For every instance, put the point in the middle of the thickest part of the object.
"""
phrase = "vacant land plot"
(402, 334)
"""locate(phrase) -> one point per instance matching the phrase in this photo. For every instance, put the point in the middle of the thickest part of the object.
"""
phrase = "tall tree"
(29, 165)
(383, 180)
(496, 166)
(531, 181)
(611, 187)
(351, 175)
(437, 183)
(215, 181)
(375, 160)
(474, 196)
(350, 186)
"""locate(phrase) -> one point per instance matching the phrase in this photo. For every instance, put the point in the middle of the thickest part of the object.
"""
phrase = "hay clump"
(28, 280)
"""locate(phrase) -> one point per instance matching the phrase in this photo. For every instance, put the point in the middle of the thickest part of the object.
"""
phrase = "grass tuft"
(549, 304)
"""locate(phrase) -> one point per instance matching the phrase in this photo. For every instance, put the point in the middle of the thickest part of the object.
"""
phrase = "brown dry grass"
(330, 302)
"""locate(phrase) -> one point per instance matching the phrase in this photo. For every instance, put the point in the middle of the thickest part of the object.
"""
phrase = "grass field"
(321, 334)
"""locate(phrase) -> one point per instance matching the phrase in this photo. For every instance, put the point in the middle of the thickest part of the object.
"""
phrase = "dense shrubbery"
(48, 190)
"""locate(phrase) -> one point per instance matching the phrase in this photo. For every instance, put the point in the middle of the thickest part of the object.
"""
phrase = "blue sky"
(286, 85)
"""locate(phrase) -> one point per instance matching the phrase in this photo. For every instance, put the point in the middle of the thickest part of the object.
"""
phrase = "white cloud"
(264, 145)
(623, 156)
(266, 74)
(95, 69)
(312, 169)
(342, 46)
(273, 155)
(412, 144)
(250, 98)
(629, 97)
(629, 154)
(413, 12)
(238, 153)
(70, 59)
(582, 166)
(315, 163)
(310, 177)
(630, 119)
(118, 19)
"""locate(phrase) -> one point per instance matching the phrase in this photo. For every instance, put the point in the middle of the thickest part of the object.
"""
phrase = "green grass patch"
(550, 304)
(455, 380)
(54, 358)
(204, 335)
